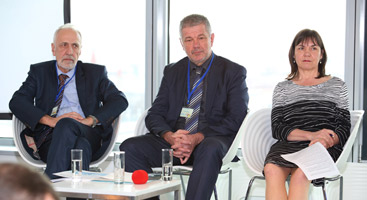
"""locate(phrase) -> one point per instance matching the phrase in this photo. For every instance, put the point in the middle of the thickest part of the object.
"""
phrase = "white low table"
(109, 190)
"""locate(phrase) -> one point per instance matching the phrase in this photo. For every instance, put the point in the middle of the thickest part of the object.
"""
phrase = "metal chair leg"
(340, 177)
(230, 185)
(250, 185)
(324, 192)
(229, 170)
(341, 188)
(183, 185)
(215, 193)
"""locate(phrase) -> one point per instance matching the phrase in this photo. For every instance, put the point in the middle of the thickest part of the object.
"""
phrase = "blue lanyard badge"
(58, 82)
(189, 93)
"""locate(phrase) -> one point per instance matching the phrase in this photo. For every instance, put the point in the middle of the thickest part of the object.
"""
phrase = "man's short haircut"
(20, 182)
(194, 20)
(67, 26)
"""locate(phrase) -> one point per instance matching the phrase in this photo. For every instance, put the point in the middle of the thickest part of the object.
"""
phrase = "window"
(27, 29)
(258, 34)
(113, 34)
(364, 122)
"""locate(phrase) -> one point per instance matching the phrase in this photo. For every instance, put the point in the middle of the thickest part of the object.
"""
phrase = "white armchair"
(185, 170)
(18, 127)
(258, 139)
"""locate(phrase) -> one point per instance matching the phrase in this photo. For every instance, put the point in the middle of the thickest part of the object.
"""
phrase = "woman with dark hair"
(308, 107)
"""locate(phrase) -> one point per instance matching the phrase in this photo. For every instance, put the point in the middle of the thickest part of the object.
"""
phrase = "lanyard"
(57, 77)
(189, 93)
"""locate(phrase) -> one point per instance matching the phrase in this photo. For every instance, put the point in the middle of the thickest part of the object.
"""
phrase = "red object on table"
(140, 176)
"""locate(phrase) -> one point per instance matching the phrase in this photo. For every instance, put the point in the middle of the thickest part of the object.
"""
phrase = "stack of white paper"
(315, 161)
(88, 176)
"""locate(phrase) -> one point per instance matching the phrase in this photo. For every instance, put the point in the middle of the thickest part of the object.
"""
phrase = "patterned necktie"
(62, 79)
(48, 130)
(191, 124)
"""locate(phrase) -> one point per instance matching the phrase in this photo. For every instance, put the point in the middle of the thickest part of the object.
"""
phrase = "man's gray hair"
(67, 26)
(194, 20)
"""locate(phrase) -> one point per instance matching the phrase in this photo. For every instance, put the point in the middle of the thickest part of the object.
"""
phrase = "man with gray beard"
(67, 104)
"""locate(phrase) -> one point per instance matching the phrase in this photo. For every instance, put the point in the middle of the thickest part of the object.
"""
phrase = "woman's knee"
(274, 171)
(299, 176)
(270, 169)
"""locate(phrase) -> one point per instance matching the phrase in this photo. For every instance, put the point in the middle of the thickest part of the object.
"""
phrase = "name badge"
(186, 112)
(54, 111)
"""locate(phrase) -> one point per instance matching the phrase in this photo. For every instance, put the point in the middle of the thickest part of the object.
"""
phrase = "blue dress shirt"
(70, 100)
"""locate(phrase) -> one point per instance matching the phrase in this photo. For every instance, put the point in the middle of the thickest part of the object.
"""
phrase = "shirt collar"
(203, 67)
(69, 73)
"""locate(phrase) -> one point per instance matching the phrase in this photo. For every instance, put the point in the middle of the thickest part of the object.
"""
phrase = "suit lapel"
(53, 86)
(181, 86)
(212, 83)
(81, 86)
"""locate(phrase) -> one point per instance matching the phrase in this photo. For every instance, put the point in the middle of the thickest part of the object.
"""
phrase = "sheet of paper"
(175, 168)
(88, 176)
(315, 162)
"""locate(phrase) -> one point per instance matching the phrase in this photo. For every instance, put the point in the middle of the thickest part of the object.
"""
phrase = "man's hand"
(174, 138)
(168, 136)
(51, 121)
(185, 144)
(87, 121)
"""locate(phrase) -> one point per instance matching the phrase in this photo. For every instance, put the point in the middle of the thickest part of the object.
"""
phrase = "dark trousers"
(69, 134)
(145, 152)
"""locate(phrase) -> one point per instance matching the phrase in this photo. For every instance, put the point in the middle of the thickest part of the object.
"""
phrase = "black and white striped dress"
(309, 108)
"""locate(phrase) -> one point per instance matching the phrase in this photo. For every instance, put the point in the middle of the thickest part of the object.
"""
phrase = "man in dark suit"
(67, 104)
(200, 135)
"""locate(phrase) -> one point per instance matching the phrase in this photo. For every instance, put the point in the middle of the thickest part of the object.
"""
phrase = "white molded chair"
(18, 127)
(141, 129)
(258, 139)
(96, 163)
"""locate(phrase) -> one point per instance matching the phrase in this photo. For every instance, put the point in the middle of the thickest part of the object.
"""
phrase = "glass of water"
(77, 163)
(167, 163)
(119, 167)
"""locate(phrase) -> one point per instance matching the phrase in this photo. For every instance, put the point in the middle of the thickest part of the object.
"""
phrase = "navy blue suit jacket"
(226, 98)
(97, 95)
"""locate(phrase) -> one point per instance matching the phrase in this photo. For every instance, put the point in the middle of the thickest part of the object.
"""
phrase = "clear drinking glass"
(167, 164)
(77, 163)
(119, 167)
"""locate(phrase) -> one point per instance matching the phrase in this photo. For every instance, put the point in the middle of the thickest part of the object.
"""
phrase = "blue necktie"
(191, 124)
